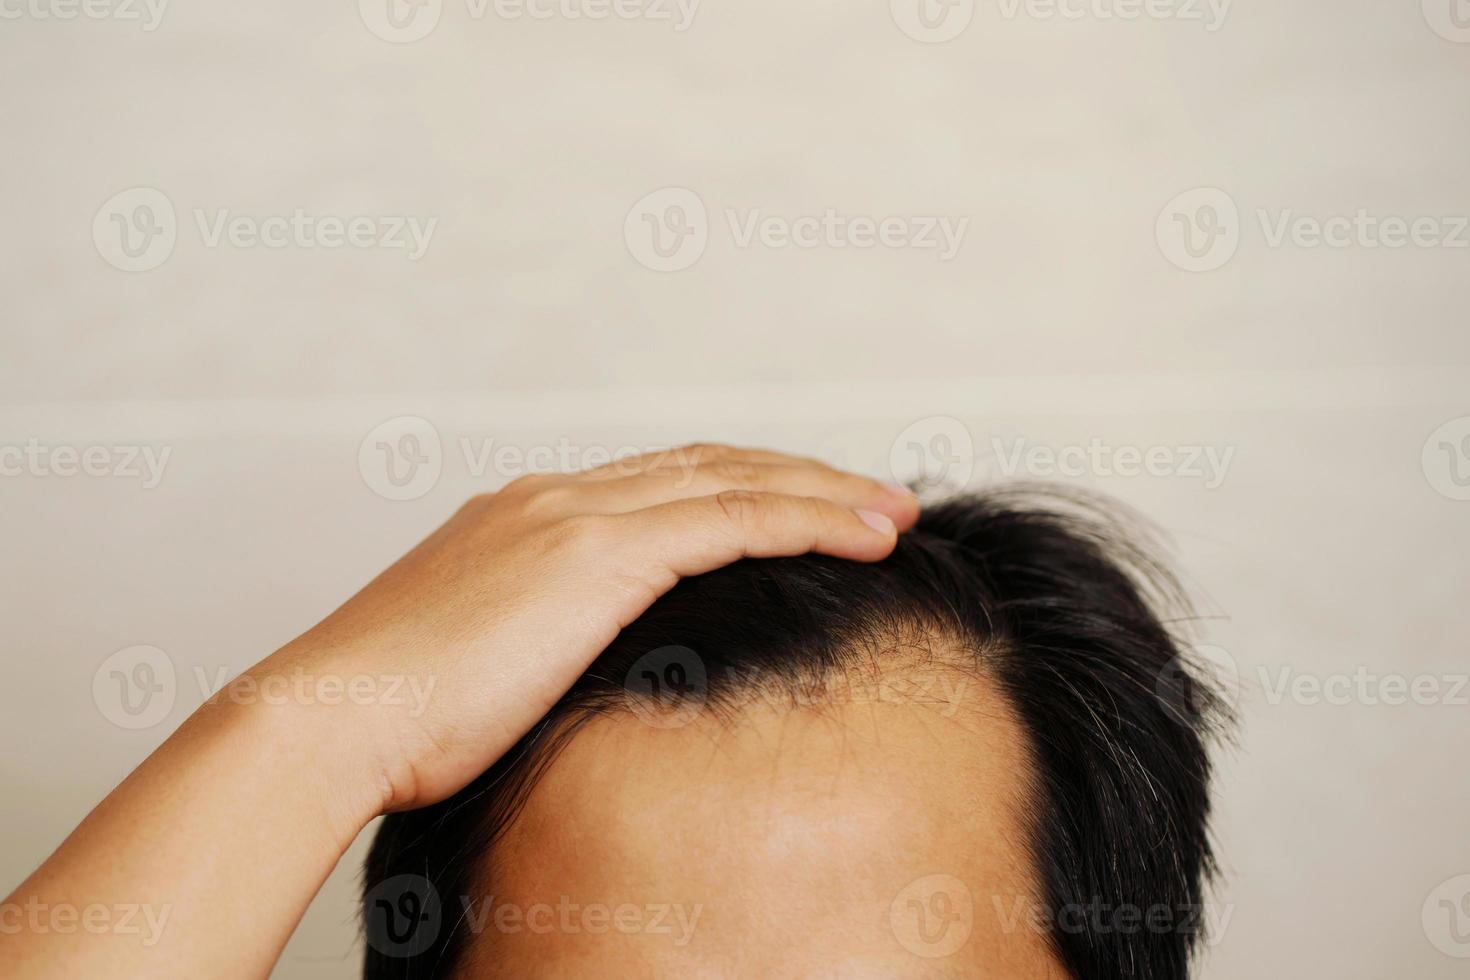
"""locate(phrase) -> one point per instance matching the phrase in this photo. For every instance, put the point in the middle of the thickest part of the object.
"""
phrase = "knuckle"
(548, 498)
(818, 511)
(576, 533)
(739, 472)
(539, 494)
(815, 514)
(478, 502)
(524, 485)
(702, 451)
(739, 507)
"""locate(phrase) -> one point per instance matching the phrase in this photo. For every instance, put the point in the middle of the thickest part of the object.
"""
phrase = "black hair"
(1059, 597)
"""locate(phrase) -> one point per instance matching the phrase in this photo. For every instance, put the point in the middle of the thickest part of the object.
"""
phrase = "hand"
(236, 820)
(502, 608)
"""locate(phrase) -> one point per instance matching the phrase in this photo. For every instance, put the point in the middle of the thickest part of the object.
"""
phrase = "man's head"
(983, 755)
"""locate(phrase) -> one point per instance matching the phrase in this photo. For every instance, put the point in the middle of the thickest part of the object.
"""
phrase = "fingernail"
(876, 521)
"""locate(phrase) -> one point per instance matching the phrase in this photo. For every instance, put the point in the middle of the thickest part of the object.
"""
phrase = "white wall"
(1333, 544)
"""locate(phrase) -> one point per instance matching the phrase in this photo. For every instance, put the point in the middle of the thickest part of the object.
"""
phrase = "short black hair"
(1061, 598)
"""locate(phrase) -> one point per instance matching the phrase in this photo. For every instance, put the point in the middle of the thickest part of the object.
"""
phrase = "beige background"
(1334, 543)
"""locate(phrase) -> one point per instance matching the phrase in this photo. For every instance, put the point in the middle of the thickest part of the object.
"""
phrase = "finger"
(658, 486)
(698, 534)
(689, 457)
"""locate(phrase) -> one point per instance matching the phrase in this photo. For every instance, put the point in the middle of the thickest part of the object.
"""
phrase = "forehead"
(877, 834)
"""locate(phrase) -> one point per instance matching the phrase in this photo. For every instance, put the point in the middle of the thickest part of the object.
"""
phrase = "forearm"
(218, 842)
(203, 860)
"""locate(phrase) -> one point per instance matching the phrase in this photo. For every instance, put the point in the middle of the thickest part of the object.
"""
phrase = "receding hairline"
(599, 770)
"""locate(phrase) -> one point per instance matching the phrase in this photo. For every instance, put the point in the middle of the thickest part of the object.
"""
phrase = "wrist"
(279, 719)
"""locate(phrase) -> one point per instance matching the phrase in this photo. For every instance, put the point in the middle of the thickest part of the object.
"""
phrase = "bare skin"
(869, 837)
(232, 825)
